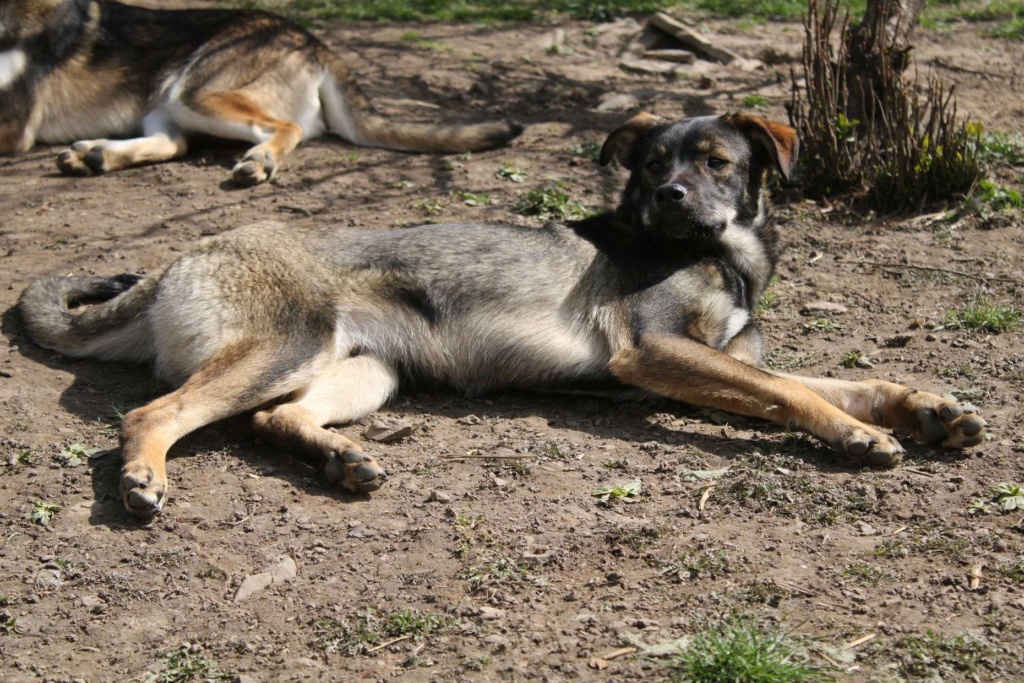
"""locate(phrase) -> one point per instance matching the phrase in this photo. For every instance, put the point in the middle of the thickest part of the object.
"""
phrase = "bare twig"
(390, 642)
(907, 266)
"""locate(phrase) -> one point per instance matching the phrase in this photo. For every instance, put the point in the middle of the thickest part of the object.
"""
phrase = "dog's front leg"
(688, 371)
(924, 416)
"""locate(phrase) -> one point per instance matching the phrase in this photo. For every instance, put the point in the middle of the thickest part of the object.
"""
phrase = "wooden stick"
(390, 642)
(907, 266)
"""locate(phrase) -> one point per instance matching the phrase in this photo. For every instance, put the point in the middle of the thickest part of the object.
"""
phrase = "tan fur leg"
(281, 137)
(162, 141)
(346, 391)
(926, 417)
(231, 383)
(688, 371)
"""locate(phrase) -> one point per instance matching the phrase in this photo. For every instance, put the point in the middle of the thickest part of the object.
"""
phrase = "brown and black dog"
(320, 326)
(82, 71)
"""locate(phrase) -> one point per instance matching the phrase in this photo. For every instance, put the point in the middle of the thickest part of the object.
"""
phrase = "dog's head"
(690, 179)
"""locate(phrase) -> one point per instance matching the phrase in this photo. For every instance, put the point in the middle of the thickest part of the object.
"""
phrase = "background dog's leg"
(346, 391)
(239, 378)
(926, 417)
(238, 115)
(162, 140)
(688, 371)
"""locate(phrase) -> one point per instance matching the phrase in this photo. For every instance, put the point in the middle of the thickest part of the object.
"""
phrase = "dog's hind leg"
(162, 140)
(346, 391)
(240, 377)
(926, 417)
(237, 115)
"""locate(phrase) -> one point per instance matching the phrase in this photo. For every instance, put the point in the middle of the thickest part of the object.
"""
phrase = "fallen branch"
(907, 266)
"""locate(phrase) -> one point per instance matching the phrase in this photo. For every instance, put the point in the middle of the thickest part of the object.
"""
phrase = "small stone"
(820, 307)
(491, 613)
(897, 341)
(866, 529)
(387, 430)
(438, 496)
(284, 570)
(499, 483)
(529, 559)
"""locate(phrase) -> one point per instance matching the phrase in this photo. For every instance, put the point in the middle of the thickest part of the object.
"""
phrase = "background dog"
(317, 327)
(87, 70)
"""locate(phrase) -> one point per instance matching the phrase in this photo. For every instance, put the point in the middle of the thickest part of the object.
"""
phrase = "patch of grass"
(551, 201)
(768, 301)
(501, 571)
(432, 207)
(636, 539)
(852, 359)
(473, 199)
(931, 653)
(479, 11)
(586, 150)
(1000, 147)
(867, 575)
(357, 634)
(697, 563)
(42, 512)
(985, 318)
(821, 325)
(754, 102)
(186, 664)
(509, 173)
(762, 9)
(1012, 29)
(23, 458)
(996, 197)
(75, 454)
(742, 650)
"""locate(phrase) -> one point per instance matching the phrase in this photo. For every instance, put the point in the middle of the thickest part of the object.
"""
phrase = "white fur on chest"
(12, 66)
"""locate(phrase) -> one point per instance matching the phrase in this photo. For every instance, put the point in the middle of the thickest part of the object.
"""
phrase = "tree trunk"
(879, 49)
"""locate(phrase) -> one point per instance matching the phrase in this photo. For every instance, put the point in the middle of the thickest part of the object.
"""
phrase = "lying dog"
(87, 70)
(318, 327)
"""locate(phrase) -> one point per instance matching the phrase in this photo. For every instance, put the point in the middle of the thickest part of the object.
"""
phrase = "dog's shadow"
(100, 392)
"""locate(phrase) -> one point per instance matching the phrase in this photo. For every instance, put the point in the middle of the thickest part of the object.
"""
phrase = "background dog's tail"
(350, 114)
(111, 326)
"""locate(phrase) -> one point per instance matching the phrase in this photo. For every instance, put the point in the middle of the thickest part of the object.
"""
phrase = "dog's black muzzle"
(677, 214)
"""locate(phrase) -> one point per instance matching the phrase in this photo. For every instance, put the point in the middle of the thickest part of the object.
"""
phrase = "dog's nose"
(670, 193)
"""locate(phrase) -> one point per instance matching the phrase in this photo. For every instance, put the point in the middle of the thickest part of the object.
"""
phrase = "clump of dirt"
(509, 567)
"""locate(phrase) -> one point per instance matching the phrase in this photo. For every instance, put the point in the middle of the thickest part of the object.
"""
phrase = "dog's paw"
(143, 490)
(256, 167)
(871, 447)
(935, 420)
(82, 159)
(354, 470)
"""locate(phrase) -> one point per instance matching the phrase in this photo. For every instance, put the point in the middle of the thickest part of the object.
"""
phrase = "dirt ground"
(510, 569)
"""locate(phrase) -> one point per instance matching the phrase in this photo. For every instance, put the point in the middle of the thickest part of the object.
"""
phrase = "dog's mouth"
(685, 222)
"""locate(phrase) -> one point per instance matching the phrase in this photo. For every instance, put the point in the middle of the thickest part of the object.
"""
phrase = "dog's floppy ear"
(622, 141)
(778, 140)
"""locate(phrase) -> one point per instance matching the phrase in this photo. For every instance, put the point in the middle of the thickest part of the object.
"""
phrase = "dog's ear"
(779, 141)
(622, 141)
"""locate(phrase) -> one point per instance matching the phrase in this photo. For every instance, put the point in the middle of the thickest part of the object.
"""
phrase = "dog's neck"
(627, 244)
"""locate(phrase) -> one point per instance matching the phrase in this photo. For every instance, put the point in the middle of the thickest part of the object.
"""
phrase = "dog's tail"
(350, 114)
(112, 326)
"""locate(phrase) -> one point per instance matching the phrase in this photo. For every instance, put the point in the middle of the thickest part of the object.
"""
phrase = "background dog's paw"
(143, 491)
(82, 159)
(870, 447)
(256, 167)
(354, 470)
(937, 421)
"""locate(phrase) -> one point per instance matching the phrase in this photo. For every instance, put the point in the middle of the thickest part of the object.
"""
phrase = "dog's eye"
(654, 166)
(715, 163)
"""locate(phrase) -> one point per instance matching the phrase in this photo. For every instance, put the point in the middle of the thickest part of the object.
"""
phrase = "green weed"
(754, 102)
(984, 318)
(187, 664)
(741, 650)
(42, 512)
(627, 493)
(551, 201)
(509, 173)
(936, 653)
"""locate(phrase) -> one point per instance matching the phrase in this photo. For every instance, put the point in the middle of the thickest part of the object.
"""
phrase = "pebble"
(816, 307)
(439, 496)
(388, 429)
